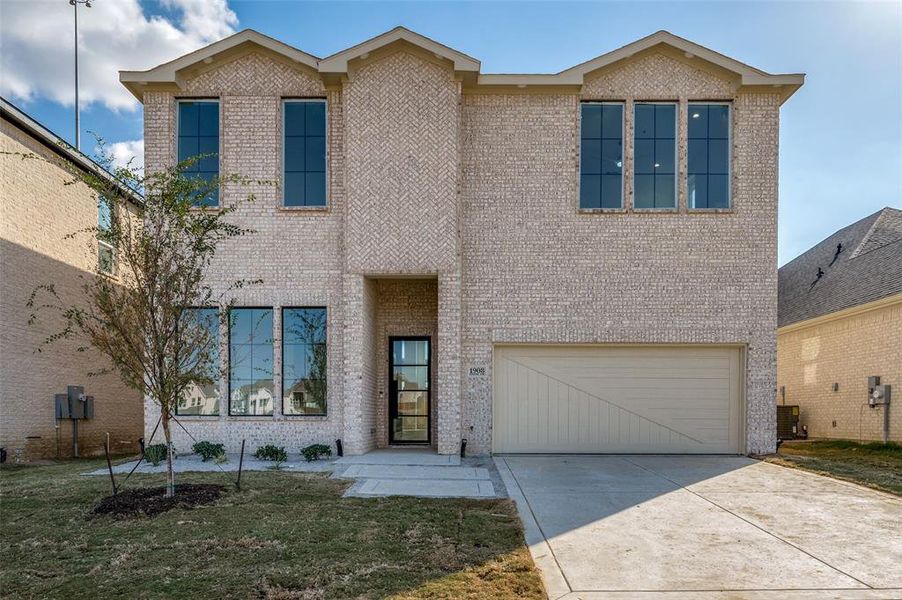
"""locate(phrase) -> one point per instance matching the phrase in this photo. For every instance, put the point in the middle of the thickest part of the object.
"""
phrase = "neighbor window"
(250, 361)
(202, 397)
(198, 137)
(655, 156)
(709, 156)
(601, 156)
(106, 252)
(304, 158)
(304, 361)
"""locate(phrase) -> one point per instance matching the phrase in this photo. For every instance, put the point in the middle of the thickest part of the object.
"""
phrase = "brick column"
(448, 369)
(358, 367)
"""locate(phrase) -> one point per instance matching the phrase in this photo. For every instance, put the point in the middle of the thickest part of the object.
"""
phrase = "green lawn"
(875, 465)
(283, 535)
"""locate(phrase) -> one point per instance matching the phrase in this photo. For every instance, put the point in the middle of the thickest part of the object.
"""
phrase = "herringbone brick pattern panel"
(402, 115)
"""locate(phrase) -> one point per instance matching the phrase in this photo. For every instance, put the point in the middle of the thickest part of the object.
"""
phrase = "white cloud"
(36, 45)
(127, 154)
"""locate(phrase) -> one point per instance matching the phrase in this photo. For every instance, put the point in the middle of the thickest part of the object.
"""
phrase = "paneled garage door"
(619, 399)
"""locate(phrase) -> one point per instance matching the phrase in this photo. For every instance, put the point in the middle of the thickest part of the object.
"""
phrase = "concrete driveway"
(703, 527)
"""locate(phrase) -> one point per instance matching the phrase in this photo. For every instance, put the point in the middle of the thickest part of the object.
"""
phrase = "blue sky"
(841, 134)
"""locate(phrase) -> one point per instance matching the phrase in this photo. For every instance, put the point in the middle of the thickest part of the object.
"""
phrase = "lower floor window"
(202, 397)
(250, 362)
(304, 361)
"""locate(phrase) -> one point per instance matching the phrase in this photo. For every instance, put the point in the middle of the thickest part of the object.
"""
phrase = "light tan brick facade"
(38, 209)
(453, 211)
(844, 350)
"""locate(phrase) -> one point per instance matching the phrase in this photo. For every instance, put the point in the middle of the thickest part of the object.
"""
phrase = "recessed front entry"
(409, 401)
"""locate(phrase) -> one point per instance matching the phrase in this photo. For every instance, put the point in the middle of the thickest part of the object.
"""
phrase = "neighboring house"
(840, 322)
(41, 202)
(577, 262)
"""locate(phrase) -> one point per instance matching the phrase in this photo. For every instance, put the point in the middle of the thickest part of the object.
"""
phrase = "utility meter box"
(62, 405)
(880, 395)
(80, 406)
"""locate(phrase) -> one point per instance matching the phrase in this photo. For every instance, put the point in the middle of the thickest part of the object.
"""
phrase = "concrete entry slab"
(426, 488)
(708, 527)
(413, 472)
(418, 472)
(401, 456)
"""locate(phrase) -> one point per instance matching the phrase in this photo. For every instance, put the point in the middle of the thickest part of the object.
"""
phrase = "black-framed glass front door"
(409, 402)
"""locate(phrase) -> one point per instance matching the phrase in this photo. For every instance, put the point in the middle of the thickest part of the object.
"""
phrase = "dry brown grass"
(284, 536)
(875, 465)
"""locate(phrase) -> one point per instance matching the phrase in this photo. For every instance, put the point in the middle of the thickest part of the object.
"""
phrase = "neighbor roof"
(868, 268)
(62, 148)
(174, 73)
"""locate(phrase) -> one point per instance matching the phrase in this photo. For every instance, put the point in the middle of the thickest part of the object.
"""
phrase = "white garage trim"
(618, 398)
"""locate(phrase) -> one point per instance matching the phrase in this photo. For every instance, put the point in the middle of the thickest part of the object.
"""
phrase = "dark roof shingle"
(868, 268)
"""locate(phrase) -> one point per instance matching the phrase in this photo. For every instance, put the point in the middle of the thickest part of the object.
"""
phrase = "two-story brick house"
(576, 262)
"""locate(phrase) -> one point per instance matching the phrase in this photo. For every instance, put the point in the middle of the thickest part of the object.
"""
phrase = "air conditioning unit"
(787, 422)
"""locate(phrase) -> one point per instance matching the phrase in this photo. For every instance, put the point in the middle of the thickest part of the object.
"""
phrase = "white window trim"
(676, 157)
(622, 105)
(115, 267)
(729, 106)
(326, 174)
(179, 101)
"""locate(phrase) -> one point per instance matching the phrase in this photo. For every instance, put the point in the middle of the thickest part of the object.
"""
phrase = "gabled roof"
(62, 148)
(174, 72)
(868, 268)
(338, 62)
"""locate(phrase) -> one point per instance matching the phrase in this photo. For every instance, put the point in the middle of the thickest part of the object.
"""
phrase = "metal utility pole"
(75, 4)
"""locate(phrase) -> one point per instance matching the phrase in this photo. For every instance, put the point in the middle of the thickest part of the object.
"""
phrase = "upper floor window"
(304, 361)
(106, 252)
(601, 156)
(709, 156)
(250, 361)
(202, 398)
(198, 136)
(304, 161)
(655, 155)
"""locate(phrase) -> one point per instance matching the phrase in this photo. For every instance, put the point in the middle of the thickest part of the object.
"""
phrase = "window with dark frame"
(304, 143)
(601, 155)
(654, 155)
(250, 362)
(304, 361)
(709, 156)
(198, 136)
(202, 397)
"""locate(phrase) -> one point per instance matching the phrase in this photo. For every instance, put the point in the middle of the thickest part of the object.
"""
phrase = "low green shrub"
(156, 454)
(208, 450)
(270, 452)
(316, 451)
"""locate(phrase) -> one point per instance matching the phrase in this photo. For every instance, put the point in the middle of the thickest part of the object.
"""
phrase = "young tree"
(144, 319)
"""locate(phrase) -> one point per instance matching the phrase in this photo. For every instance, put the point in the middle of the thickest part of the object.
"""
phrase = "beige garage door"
(619, 399)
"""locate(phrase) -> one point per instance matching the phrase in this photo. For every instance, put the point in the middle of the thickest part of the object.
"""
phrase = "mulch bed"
(150, 502)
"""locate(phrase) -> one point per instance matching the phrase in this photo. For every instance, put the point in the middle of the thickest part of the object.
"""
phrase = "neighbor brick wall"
(37, 210)
(844, 351)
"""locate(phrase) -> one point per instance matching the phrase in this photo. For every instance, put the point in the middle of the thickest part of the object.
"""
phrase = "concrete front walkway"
(416, 472)
(703, 527)
(388, 472)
